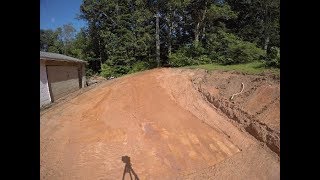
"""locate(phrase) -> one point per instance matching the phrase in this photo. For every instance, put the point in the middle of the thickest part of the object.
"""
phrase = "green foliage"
(120, 36)
(120, 70)
(216, 12)
(179, 59)
(194, 50)
(221, 47)
(59, 40)
(49, 41)
(53, 49)
(189, 55)
(107, 71)
(256, 67)
(273, 58)
(243, 52)
(226, 48)
(219, 42)
(119, 32)
(203, 59)
(258, 21)
(139, 66)
(115, 71)
(79, 46)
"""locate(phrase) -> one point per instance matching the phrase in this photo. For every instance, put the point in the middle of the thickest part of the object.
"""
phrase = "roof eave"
(54, 59)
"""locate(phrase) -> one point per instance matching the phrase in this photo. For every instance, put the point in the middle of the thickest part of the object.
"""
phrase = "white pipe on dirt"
(239, 92)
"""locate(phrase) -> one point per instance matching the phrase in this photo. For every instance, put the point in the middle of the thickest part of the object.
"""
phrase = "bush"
(115, 71)
(218, 43)
(139, 66)
(106, 71)
(179, 59)
(194, 50)
(221, 47)
(192, 54)
(273, 57)
(243, 52)
(120, 70)
(227, 48)
(204, 59)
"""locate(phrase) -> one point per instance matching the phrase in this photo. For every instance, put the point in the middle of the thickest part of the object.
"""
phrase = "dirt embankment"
(256, 109)
(160, 120)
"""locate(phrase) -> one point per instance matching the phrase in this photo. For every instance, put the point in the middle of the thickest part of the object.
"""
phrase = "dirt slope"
(256, 109)
(161, 121)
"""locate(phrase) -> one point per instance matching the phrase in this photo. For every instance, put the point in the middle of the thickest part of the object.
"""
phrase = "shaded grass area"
(248, 68)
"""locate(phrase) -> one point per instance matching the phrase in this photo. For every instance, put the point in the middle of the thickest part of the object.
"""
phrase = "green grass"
(249, 68)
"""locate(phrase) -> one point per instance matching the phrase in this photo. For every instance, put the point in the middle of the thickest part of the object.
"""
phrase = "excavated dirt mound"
(256, 108)
(161, 121)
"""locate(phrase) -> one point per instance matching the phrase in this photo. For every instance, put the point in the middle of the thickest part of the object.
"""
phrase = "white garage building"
(59, 75)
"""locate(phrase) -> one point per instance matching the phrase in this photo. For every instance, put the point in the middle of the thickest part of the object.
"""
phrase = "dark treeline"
(125, 36)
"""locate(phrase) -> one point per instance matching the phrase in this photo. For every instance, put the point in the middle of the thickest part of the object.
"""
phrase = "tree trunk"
(203, 32)
(266, 29)
(100, 53)
(196, 33)
(170, 22)
(169, 49)
(266, 42)
(199, 24)
(157, 40)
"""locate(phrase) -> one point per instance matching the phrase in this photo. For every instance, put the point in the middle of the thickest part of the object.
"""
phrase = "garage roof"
(58, 57)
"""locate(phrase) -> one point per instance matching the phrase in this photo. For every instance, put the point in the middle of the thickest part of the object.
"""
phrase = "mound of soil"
(256, 109)
(162, 120)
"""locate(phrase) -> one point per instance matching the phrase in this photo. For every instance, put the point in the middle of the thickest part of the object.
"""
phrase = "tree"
(50, 42)
(258, 21)
(119, 32)
(66, 35)
(173, 13)
(46, 39)
(79, 46)
(198, 9)
(124, 36)
(155, 6)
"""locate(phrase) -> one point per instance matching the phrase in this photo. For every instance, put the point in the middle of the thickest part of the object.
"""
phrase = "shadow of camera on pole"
(128, 168)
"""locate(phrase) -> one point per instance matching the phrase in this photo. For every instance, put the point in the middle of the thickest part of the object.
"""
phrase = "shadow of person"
(128, 168)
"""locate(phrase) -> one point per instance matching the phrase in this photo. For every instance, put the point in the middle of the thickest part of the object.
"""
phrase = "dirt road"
(160, 121)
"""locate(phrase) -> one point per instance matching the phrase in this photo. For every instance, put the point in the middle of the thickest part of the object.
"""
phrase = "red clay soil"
(256, 109)
(161, 121)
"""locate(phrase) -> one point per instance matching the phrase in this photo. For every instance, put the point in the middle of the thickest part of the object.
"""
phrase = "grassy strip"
(249, 68)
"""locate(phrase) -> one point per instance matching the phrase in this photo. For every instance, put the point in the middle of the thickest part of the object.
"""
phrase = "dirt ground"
(162, 119)
(256, 109)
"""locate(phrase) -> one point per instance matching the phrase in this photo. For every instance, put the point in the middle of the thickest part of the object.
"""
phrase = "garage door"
(62, 80)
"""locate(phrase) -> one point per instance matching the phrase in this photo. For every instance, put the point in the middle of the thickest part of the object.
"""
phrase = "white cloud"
(53, 19)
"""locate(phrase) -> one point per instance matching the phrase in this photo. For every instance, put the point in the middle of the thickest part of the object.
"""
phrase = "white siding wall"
(83, 67)
(44, 88)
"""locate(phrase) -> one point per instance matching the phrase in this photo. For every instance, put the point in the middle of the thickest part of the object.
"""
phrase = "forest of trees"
(125, 36)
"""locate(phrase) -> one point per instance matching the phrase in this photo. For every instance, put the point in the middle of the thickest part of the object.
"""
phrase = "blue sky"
(55, 13)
